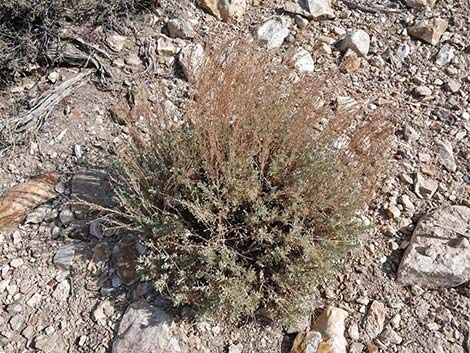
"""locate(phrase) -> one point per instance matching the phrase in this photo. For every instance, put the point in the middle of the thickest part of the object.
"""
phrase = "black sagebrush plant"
(249, 199)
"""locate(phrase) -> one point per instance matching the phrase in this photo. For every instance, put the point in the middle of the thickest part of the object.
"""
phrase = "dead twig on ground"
(368, 8)
(33, 119)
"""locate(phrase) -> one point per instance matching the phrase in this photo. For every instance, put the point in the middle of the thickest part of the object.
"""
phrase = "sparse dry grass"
(250, 200)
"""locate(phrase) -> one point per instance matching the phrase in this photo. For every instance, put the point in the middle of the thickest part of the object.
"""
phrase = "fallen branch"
(33, 119)
(369, 9)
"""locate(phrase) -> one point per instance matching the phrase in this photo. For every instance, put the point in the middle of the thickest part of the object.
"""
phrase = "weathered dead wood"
(22, 198)
(368, 8)
(33, 119)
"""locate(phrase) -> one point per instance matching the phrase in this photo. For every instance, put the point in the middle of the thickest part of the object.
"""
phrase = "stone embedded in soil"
(190, 59)
(446, 155)
(327, 335)
(92, 186)
(178, 28)
(429, 31)
(351, 62)
(146, 328)
(226, 10)
(21, 199)
(420, 4)
(318, 8)
(167, 46)
(116, 42)
(445, 55)
(49, 344)
(422, 91)
(124, 259)
(64, 256)
(302, 60)
(375, 319)
(359, 41)
(425, 188)
(435, 257)
(273, 32)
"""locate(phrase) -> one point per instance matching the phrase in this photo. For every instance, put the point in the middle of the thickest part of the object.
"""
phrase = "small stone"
(226, 10)
(319, 8)
(235, 348)
(190, 59)
(28, 332)
(422, 91)
(322, 48)
(96, 229)
(353, 331)
(425, 188)
(402, 52)
(350, 63)
(124, 259)
(272, 33)
(330, 324)
(37, 215)
(49, 344)
(406, 202)
(307, 342)
(410, 135)
(133, 59)
(116, 42)
(62, 291)
(395, 321)
(445, 55)
(452, 86)
(420, 4)
(375, 319)
(429, 30)
(301, 22)
(34, 301)
(49, 330)
(178, 28)
(358, 41)
(356, 347)
(393, 211)
(167, 47)
(66, 216)
(102, 312)
(16, 322)
(64, 256)
(302, 60)
(390, 336)
(446, 155)
(16, 263)
(82, 340)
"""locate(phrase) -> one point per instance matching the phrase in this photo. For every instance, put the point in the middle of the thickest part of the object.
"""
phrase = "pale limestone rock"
(437, 255)
(375, 319)
(359, 41)
(273, 32)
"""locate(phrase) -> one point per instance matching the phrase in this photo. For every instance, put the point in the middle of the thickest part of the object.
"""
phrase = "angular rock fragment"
(359, 41)
(273, 32)
(124, 259)
(375, 319)
(190, 59)
(425, 188)
(420, 4)
(318, 8)
(429, 31)
(437, 257)
(302, 60)
(17, 202)
(327, 334)
(178, 28)
(350, 63)
(446, 155)
(226, 10)
(445, 55)
(146, 328)
(92, 186)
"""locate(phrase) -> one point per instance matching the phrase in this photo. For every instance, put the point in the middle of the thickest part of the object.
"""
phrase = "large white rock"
(359, 41)
(145, 328)
(319, 8)
(273, 32)
(439, 250)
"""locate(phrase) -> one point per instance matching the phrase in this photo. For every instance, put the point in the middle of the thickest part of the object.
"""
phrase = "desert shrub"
(250, 198)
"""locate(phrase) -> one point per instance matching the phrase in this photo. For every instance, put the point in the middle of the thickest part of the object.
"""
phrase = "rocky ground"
(67, 279)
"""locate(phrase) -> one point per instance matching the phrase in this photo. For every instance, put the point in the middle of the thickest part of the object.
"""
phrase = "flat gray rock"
(145, 328)
(439, 251)
(92, 186)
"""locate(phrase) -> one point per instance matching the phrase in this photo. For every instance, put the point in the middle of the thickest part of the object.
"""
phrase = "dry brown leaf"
(22, 198)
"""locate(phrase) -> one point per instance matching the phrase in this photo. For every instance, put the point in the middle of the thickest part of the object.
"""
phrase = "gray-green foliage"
(246, 204)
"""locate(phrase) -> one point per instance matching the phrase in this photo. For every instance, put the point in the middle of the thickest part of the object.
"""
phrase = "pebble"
(273, 32)
(178, 28)
(37, 215)
(34, 301)
(393, 211)
(446, 155)
(375, 319)
(61, 291)
(66, 216)
(422, 91)
(353, 331)
(425, 188)
(403, 51)
(356, 347)
(359, 41)
(16, 322)
(167, 47)
(64, 256)
(445, 55)
(116, 42)
(16, 263)
(406, 202)
(430, 30)
(302, 60)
